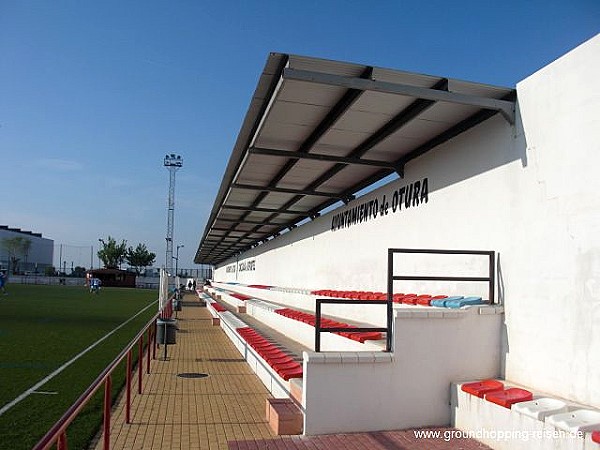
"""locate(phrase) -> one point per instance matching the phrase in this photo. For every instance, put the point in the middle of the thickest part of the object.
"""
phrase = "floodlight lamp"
(173, 160)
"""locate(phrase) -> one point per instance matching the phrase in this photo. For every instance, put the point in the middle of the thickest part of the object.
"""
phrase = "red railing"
(167, 311)
(58, 433)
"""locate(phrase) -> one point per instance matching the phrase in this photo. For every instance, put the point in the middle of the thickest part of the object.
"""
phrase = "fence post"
(154, 340)
(492, 276)
(128, 389)
(140, 362)
(62, 441)
(318, 327)
(389, 307)
(107, 405)
(148, 350)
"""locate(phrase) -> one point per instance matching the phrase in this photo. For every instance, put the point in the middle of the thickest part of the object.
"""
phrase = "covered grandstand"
(459, 222)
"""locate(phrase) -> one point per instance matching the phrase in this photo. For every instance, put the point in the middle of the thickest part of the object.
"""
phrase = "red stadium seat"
(508, 397)
(282, 363)
(410, 299)
(423, 300)
(289, 371)
(311, 320)
(480, 388)
(277, 360)
(218, 307)
(397, 298)
(362, 336)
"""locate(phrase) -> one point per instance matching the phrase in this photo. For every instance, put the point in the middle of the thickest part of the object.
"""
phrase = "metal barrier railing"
(319, 329)
(58, 433)
(490, 279)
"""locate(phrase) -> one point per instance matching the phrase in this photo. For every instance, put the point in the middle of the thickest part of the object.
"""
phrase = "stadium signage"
(410, 195)
(247, 265)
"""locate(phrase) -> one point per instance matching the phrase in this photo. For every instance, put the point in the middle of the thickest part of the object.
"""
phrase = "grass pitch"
(43, 327)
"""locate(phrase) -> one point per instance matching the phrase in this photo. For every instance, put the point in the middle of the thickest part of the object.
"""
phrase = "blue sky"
(93, 94)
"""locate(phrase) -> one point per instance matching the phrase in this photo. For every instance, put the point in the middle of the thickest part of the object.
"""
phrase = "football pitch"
(44, 327)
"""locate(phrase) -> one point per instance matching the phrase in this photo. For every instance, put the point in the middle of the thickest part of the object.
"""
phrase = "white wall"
(553, 290)
(351, 392)
(529, 191)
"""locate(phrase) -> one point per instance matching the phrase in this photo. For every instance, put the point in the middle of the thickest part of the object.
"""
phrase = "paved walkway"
(225, 410)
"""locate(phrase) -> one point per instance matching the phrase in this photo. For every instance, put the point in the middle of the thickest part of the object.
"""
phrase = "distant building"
(114, 277)
(39, 256)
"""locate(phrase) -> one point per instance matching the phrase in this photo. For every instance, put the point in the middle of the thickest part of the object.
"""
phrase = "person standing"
(3, 280)
(95, 285)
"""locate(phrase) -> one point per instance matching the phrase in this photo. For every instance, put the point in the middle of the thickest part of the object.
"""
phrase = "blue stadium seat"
(443, 301)
(464, 302)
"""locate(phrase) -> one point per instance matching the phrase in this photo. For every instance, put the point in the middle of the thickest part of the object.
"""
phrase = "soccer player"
(95, 285)
(3, 282)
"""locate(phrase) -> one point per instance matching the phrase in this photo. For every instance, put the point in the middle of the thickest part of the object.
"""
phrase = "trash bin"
(176, 304)
(166, 331)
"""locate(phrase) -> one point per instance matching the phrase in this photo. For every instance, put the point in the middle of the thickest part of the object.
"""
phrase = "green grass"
(41, 328)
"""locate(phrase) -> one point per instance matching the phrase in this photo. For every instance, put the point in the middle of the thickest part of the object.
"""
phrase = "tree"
(78, 272)
(111, 253)
(140, 257)
(16, 247)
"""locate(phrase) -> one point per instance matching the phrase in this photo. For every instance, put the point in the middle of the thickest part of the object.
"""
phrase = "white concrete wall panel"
(553, 306)
(351, 392)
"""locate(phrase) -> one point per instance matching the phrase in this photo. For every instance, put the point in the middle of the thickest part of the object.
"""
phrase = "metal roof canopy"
(317, 132)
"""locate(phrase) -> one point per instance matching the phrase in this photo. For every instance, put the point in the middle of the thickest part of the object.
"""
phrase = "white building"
(463, 166)
(39, 255)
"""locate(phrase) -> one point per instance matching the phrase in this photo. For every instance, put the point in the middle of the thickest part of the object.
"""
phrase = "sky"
(93, 94)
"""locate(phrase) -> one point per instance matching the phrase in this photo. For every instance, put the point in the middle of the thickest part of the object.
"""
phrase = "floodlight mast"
(173, 163)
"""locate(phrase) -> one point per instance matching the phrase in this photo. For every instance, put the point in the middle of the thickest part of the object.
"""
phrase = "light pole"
(177, 258)
(173, 163)
(103, 246)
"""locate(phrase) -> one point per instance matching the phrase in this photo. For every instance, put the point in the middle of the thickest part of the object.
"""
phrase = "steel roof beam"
(224, 238)
(322, 157)
(266, 210)
(284, 190)
(225, 229)
(461, 127)
(253, 222)
(507, 108)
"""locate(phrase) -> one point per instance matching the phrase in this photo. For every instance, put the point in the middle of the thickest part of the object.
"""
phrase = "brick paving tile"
(192, 413)
(381, 440)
